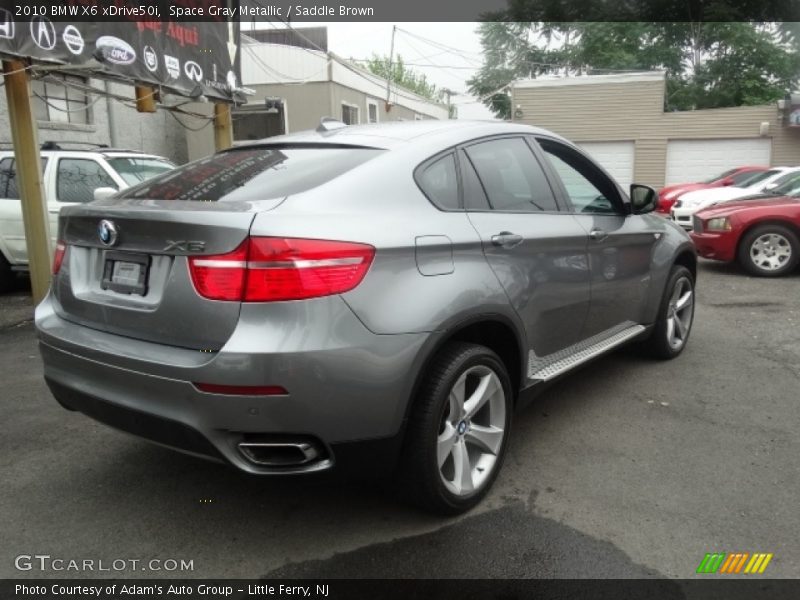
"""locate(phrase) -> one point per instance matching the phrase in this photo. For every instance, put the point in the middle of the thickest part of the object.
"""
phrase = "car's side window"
(77, 178)
(439, 182)
(511, 176)
(8, 179)
(588, 189)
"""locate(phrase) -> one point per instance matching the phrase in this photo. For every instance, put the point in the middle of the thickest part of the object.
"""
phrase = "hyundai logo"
(107, 232)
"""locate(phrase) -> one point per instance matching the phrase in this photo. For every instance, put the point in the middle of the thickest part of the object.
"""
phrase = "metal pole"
(29, 176)
(223, 126)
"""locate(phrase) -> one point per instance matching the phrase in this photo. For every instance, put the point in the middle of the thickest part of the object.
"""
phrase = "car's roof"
(395, 133)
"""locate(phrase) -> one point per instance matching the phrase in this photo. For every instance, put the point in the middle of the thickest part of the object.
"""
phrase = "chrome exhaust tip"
(280, 454)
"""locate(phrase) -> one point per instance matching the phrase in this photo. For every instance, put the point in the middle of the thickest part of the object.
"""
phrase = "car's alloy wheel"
(472, 431)
(675, 315)
(458, 429)
(680, 313)
(769, 250)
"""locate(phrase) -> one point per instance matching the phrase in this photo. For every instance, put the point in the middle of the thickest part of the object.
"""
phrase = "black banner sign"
(192, 58)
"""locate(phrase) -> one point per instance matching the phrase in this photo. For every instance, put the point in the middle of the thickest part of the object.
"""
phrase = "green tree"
(707, 65)
(396, 71)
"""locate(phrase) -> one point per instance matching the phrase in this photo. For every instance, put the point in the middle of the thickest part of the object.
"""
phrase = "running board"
(585, 354)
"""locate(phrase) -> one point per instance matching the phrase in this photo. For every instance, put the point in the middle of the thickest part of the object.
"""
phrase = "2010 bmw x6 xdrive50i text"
(358, 297)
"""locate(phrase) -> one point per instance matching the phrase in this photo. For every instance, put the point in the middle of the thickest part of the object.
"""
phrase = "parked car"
(669, 194)
(690, 203)
(69, 177)
(761, 233)
(358, 297)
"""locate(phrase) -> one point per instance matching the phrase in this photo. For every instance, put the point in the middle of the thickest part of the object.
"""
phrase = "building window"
(349, 114)
(55, 102)
(372, 111)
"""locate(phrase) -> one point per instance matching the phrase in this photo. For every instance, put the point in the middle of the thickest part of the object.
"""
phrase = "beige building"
(620, 121)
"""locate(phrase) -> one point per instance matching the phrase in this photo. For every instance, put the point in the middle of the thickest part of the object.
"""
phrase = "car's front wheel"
(458, 430)
(769, 251)
(675, 315)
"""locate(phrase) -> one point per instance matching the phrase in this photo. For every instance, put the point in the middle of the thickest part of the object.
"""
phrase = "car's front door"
(620, 244)
(537, 252)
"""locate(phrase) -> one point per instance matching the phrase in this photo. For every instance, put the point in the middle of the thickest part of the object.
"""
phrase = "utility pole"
(29, 176)
(223, 126)
(389, 74)
(448, 92)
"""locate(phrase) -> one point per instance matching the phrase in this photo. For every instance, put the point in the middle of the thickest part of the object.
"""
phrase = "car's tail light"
(58, 257)
(220, 277)
(266, 269)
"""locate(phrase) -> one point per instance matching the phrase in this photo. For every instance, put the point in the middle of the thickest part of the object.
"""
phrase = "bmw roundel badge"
(107, 232)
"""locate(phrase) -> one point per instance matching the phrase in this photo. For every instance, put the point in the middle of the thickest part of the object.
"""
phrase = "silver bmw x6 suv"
(349, 298)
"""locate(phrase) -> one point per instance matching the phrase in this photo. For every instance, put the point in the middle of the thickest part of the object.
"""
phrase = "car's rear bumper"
(343, 393)
(717, 245)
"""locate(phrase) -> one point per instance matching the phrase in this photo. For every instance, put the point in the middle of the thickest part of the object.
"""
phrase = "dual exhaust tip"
(279, 454)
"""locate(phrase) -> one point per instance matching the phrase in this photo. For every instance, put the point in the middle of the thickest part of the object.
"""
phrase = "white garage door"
(615, 157)
(698, 160)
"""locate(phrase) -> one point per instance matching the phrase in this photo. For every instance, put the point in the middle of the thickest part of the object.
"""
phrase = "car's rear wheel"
(458, 430)
(769, 251)
(675, 315)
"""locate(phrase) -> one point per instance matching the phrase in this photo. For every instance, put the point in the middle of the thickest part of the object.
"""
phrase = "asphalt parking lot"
(629, 468)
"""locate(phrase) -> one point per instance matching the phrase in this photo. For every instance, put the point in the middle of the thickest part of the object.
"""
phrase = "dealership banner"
(192, 58)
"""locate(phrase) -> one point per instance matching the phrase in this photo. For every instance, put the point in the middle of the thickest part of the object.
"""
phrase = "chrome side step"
(583, 353)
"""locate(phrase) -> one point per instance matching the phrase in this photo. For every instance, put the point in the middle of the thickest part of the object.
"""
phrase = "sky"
(449, 54)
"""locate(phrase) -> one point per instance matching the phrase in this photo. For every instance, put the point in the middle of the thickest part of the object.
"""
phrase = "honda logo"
(193, 71)
(6, 25)
(43, 33)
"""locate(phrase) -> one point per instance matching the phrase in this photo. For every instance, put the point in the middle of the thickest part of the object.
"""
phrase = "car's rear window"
(252, 173)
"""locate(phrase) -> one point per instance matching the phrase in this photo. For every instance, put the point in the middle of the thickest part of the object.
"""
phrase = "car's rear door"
(620, 245)
(537, 251)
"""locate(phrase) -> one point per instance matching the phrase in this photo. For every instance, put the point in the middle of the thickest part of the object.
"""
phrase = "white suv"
(69, 177)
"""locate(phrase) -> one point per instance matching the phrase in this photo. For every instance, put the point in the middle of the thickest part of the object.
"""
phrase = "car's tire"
(451, 418)
(769, 250)
(8, 278)
(675, 316)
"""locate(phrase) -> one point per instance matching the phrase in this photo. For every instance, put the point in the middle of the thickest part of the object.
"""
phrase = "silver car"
(365, 299)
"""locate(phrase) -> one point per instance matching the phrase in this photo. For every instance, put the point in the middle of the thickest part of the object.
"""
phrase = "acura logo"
(107, 232)
(43, 33)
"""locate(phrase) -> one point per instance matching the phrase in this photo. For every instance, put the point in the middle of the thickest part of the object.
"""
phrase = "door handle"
(54, 211)
(506, 239)
(598, 235)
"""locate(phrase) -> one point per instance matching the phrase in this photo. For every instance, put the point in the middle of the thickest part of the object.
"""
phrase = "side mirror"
(102, 193)
(727, 181)
(644, 199)
(770, 186)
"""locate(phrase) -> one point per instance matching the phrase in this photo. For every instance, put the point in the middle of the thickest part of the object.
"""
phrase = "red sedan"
(670, 193)
(762, 234)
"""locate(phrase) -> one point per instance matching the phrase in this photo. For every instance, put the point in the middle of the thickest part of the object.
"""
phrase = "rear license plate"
(126, 273)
